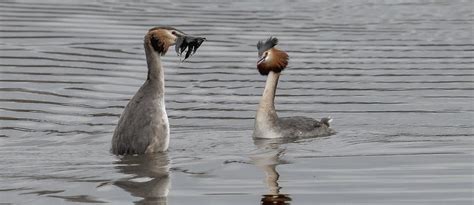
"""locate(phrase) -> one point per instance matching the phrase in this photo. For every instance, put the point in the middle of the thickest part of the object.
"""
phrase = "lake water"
(396, 76)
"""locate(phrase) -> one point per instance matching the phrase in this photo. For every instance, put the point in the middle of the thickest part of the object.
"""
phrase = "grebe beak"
(188, 43)
(263, 58)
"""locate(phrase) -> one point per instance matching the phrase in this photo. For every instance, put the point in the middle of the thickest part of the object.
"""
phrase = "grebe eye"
(174, 32)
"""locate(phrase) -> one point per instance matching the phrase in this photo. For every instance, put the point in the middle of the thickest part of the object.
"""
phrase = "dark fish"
(190, 44)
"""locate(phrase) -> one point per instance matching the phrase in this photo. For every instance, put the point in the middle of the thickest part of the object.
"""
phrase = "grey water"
(396, 77)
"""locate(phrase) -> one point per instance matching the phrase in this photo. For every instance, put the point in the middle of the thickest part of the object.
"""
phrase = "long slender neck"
(156, 75)
(267, 102)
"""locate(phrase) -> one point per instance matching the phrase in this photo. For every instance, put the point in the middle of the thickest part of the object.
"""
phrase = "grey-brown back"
(299, 126)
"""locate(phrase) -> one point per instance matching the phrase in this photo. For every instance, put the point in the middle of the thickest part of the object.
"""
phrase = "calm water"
(397, 77)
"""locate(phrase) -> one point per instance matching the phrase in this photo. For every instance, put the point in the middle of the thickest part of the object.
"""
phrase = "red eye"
(174, 32)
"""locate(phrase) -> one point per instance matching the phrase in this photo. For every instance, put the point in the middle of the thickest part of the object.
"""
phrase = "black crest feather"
(264, 46)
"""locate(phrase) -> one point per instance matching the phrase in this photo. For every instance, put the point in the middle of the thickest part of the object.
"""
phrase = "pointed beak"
(188, 44)
(262, 59)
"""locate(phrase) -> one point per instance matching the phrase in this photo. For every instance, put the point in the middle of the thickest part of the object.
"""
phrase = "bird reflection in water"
(149, 178)
(267, 158)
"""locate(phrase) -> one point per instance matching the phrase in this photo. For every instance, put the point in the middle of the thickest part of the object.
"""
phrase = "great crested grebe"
(143, 126)
(267, 123)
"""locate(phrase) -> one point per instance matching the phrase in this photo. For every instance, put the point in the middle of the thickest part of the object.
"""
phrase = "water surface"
(396, 76)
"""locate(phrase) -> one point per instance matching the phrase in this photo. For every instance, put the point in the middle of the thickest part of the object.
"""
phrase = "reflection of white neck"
(267, 158)
(272, 177)
(266, 114)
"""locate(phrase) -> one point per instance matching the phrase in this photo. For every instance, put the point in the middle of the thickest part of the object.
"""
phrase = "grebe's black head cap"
(268, 44)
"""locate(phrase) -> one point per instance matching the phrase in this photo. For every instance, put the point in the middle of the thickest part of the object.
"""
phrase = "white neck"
(266, 109)
(155, 71)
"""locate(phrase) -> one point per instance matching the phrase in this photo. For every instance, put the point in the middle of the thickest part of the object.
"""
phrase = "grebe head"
(270, 58)
(161, 38)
